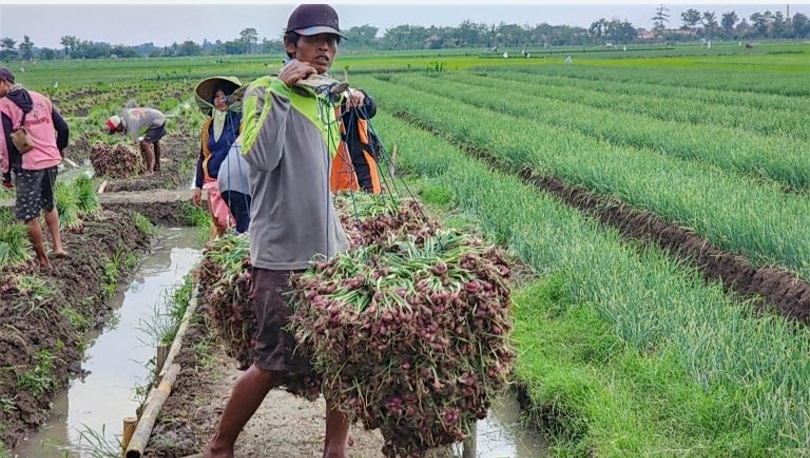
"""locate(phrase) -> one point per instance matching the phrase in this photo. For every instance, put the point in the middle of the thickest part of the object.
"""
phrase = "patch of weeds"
(36, 289)
(38, 381)
(7, 403)
(142, 391)
(204, 349)
(76, 319)
(162, 326)
(131, 261)
(112, 273)
(94, 444)
(195, 216)
(14, 247)
(143, 224)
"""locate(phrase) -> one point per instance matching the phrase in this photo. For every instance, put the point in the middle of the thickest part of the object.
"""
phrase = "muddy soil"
(284, 425)
(42, 333)
(177, 148)
(769, 288)
(163, 207)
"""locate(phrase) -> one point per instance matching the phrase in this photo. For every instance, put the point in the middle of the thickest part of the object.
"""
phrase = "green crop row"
(665, 72)
(794, 106)
(625, 353)
(758, 221)
(664, 108)
(775, 158)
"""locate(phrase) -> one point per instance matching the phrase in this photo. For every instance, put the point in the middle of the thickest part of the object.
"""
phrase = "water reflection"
(501, 435)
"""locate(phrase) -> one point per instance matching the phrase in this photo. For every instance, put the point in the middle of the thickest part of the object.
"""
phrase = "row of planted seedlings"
(776, 158)
(407, 330)
(622, 351)
(754, 219)
(74, 201)
(786, 81)
(654, 102)
(714, 97)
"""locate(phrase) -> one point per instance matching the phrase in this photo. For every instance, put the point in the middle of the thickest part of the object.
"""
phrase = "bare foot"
(60, 254)
(148, 174)
(45, 265)
(340, 453)
(211, 453)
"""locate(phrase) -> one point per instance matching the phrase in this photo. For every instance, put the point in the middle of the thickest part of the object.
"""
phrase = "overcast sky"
(162, 25)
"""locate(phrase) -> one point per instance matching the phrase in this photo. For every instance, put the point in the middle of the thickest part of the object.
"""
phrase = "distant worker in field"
(361, 146)
(29, 149)
(146, 126)
(219, 133)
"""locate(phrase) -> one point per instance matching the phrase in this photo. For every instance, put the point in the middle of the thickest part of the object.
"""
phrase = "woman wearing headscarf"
(219, 133)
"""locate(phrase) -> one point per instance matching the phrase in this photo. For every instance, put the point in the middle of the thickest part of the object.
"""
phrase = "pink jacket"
(39, 122)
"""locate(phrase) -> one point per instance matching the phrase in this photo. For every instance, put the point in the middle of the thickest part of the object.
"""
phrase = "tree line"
(694, 25)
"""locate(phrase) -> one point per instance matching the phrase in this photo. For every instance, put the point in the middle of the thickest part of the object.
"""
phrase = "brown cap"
(309, 19)
(5, 74)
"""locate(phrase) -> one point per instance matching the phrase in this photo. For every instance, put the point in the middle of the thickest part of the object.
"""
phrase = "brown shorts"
(274, 350)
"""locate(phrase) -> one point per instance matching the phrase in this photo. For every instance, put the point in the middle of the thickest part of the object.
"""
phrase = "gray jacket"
(289, 138)
(233, 172)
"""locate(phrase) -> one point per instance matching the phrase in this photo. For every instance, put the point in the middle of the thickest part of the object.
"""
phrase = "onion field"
(629, 347)
(659, 198)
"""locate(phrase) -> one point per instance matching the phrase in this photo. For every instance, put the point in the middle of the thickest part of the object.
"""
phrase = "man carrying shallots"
(290, 132)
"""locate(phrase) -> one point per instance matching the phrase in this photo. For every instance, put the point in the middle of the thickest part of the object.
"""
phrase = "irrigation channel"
(86, 418)
(116, 356)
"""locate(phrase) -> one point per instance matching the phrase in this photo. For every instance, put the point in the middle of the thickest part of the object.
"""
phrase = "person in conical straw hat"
(289, 136)
(219, 133)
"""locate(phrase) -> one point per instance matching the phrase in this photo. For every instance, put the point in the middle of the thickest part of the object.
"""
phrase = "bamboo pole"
(129, 430)
(150, 413)
(157, 396)
(70, 163)
(162, 354)
(181, 331)
(470, 445)
(102, 187)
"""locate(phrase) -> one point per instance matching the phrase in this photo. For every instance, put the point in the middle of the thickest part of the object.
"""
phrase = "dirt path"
(284, 426)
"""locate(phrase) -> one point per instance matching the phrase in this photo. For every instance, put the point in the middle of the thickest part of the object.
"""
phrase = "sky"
(163, 24)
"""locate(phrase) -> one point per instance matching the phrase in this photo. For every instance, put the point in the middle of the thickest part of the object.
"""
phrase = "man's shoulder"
(260, 83)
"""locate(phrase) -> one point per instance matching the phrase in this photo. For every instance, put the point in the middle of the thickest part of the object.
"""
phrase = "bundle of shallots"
(411, 334)
(116, 161)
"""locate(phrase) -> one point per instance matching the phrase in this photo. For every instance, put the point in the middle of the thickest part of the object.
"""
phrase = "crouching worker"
(146, 126)
(32, 151)
(219, 133)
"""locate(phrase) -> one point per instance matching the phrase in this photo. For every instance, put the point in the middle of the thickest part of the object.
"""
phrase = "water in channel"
(116, 356)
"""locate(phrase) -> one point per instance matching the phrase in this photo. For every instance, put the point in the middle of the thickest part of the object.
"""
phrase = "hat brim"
(205, 89)
(319, 29)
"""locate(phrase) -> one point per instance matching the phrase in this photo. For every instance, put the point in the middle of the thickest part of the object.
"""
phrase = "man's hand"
(294, 71)
(355, 98)
(196, 198)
